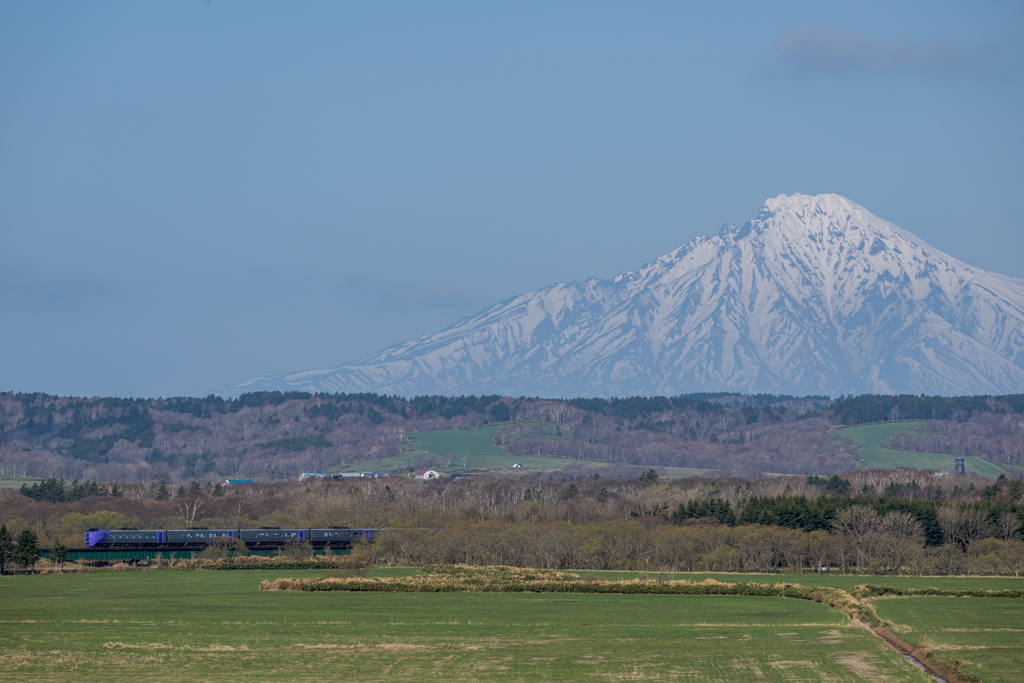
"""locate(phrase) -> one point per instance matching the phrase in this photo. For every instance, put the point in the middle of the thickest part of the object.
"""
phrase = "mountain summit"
(813, 296)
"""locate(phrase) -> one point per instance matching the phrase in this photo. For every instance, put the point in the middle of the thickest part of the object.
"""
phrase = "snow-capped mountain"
(813, 296)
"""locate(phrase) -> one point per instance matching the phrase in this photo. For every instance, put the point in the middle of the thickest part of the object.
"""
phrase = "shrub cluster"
(871, 591)
(257, 562)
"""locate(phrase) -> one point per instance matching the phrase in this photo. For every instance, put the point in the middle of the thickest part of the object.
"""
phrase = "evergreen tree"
(27, 551)
(218, 490)
(162, 493)
(649, 476)
(58, 553)
(6, 547)
(500, 412)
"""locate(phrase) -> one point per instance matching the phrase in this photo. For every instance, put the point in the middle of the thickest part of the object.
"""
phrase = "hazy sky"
(194, 193)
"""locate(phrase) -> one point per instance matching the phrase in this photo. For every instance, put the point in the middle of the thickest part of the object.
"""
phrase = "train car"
(266, 537)
(198, 535)
(272, 536)
(134, 537)
(336, 535)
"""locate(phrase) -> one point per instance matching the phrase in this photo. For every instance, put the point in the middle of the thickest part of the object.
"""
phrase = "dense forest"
(872, 520)
(272, 435)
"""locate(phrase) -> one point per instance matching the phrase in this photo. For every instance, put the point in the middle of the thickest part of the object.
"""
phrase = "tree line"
(23, 550)
(649, 523)
(53, 490)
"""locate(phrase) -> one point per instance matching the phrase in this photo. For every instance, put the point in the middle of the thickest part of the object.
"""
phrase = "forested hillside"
(273, 435)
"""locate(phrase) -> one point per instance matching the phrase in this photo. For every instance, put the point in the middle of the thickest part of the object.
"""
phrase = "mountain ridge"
(815, 295)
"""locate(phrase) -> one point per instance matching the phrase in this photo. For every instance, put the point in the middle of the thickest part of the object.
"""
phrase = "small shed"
(427, 474)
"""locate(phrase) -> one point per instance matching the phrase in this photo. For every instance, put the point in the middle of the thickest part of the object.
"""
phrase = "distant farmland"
(473, 449)
(869, 440)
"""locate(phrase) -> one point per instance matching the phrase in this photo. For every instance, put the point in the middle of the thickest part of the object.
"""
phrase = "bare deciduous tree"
(900, 534)
(859, 524)
(188, 507)
(1008, 526)
(963, 526)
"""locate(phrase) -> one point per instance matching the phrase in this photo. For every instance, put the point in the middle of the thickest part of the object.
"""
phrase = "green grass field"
(985, 634)
(481, 454)
(9, 483)
(216, 626)
(474, 450)
(869, 438)
(473, 443)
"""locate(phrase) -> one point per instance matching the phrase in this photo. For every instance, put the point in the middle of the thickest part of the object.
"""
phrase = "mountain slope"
(813, 296)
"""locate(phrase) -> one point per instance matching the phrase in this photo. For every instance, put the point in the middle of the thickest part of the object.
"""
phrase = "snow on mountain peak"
(814, 295)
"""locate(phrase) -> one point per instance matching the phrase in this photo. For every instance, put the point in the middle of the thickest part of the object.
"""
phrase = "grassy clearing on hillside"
(9, 483)
(985, 634)
(869, 438)
(473, 443)
(680, 472)
(216, 626)
(474, 450)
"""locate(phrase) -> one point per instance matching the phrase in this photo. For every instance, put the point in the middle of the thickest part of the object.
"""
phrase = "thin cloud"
(33, 286)
(436, 295)
(812, 48)
(394, 294)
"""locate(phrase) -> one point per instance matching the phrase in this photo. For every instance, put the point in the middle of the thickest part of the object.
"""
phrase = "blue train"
(264, 537)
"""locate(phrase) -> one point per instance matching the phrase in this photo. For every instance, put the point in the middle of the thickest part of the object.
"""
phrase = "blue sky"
(195, 193)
